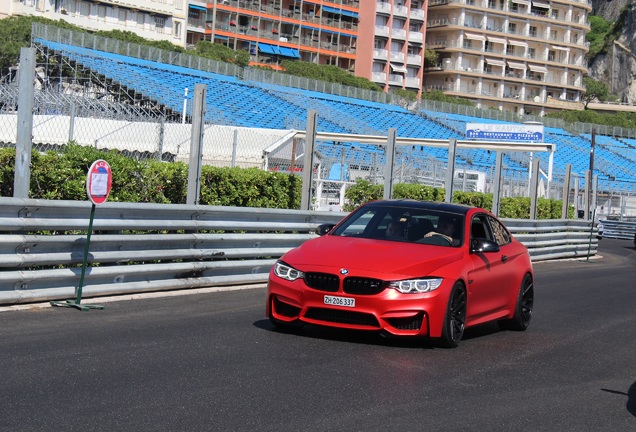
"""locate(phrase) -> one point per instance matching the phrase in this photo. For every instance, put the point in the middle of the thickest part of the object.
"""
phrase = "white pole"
(185, 105)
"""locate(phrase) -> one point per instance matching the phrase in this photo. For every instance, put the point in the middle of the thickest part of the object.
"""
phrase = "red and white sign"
(99, 181)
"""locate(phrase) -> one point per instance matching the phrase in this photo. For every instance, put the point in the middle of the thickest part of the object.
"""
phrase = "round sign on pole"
(99, 181)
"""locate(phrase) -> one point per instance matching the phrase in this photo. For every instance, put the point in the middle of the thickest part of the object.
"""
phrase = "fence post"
(566, 191)
(162, 131)
(534, 188)
(234, 147)
(496, 183)
(450, 173)
(24, 143)
(198, 124)
(308, 161)
(390, 160)
(71, 123)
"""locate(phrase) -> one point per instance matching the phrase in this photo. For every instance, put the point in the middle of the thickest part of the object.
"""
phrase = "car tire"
(455, 317)
(523, 308)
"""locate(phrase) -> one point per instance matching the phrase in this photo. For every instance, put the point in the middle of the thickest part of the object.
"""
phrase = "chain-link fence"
(75, 103)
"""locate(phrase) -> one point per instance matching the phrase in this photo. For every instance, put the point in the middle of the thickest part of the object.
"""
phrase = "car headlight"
(289, 273)
(411, 286)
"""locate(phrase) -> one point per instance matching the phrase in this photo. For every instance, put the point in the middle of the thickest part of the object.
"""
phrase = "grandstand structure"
(236, 102)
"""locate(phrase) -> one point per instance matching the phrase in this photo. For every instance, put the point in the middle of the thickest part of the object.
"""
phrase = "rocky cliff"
(617, 67)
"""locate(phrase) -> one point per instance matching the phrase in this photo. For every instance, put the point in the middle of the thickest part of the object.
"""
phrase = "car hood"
(365, 256)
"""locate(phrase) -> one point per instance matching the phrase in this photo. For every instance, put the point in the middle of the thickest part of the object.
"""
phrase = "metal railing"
(154, 247)
(623, 230)
(260, 75)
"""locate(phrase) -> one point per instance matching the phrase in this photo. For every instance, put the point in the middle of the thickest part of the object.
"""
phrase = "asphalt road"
(212, 362)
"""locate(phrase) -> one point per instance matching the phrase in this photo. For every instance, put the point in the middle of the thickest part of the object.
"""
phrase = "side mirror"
(481, 245)
(324, 229)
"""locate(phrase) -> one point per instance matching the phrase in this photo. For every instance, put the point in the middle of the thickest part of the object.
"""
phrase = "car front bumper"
(389, 311)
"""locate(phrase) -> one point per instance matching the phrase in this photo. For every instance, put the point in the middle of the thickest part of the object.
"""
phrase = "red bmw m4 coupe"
(406, 268)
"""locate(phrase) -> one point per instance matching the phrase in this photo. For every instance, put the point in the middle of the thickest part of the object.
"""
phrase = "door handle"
(504, 258)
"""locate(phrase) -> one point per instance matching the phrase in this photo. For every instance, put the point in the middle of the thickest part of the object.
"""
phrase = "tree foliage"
(439, 96)
(597, 36)
(222, 53)
(619, 119)
(595, 91)
(328, 73)
(431, 58)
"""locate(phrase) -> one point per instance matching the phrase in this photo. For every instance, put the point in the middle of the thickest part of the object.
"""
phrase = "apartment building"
(150, 19)
(322, 32)
(391, 44)
(524, 56)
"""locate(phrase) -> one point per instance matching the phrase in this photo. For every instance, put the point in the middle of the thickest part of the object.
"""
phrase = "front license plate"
(340, 301)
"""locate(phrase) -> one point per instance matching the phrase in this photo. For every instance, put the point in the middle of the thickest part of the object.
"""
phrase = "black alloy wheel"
(455, 319)
(523, 309)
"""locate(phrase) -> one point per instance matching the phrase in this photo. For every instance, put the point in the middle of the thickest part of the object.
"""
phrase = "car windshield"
(411, 225)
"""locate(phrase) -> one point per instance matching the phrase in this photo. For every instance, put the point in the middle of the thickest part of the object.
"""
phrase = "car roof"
(429, 205)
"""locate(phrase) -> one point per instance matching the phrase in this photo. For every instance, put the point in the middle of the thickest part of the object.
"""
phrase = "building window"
(141, 19)
(176, 30)
(160, 22)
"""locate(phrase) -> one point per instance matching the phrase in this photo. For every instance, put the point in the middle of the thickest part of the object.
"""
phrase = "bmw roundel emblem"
(344, 271)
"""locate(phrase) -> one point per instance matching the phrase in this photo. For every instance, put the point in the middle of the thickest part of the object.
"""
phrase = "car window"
(479, 228)
(399, 224)
(500, 233)
(357, 225)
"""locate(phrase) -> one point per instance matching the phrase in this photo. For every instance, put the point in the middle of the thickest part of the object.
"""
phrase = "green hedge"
(62, 176)
(516, 208)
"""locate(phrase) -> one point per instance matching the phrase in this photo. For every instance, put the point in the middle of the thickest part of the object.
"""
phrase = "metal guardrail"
(548, 239)
(140, 247)
(154, 247)
(618, 229)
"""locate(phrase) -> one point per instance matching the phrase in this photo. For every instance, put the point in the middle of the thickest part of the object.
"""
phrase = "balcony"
(378, 77)
(416, 37)
(401, 11)
(397, 56)
(383, 7)
(414, 59)
(395, 79)
(413, 82)
(380, 54)
(398, 33)
(382, 31)
(164, 7)
(417, 14)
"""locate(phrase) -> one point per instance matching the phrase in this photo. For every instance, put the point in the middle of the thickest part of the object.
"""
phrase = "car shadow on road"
(631, 398)
(373, 337)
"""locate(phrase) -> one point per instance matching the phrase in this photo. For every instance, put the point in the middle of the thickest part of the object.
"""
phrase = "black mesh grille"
(410, 323)
(342, 317)
(285, 309)
(364, 286)
(322, 281)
